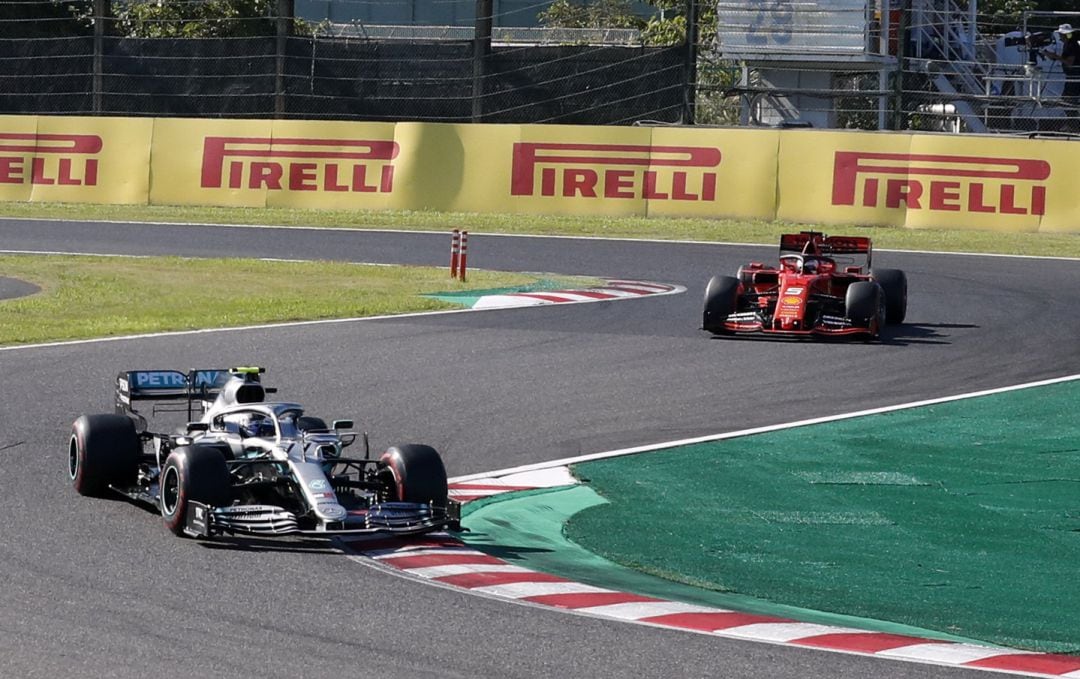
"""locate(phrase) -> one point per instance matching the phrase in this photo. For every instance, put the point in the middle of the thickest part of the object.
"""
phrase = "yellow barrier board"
(741, 184)
(575, 170)
(18, 142)
(74, 160)
(279, 163)
(326, 165)
(964, 182)
(618, 171)
(927, 181)
(811, 176)
(821, 180)
(435, 165)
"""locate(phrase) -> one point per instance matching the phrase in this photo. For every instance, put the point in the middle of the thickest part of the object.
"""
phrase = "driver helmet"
(257, 424)
(810, 266)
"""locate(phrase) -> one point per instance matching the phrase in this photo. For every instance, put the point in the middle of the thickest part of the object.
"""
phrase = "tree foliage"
(1001, 16)
(598, 14)
(665, 24)
(186, 19)
(168, 18)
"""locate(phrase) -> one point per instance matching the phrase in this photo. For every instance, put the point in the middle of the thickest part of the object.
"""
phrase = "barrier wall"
(828, 177)
(929, 181)
(75, 160)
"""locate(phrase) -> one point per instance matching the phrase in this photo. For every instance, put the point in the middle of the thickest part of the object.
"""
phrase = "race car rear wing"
(167, 385)
(820, 244)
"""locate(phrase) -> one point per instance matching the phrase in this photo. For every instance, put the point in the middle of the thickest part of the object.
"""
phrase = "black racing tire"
(192, 473)
(416, 474)
(745, 276)
(864, 305)
(721, 300)
(894, 283)
(220, 446)
(103, 450)
(310, 423)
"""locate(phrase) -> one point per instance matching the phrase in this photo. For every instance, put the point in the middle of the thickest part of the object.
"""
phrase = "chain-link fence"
(293, 68)
(866, 64)
(936, 65)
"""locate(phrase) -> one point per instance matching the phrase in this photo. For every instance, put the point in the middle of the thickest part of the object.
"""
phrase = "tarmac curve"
(100, 588)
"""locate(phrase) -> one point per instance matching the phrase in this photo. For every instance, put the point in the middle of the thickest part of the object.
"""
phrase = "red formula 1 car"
(819, 288)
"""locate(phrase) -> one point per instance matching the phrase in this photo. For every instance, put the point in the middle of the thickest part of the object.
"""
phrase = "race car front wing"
(753, 322)
(392, 518)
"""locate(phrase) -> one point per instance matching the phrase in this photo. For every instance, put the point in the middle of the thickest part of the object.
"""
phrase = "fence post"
(690, 65)
(284, 23)
(901, 55)
(101, 11)
(481, 50)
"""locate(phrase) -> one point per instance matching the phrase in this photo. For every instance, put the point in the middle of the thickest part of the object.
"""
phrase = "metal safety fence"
(866, 64)
(294, 69)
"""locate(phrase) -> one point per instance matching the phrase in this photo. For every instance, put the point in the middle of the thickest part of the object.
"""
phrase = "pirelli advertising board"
(475, 168)
(928, 181)
(74, 160)
(260, 163)
(642, 171)
(812, 176)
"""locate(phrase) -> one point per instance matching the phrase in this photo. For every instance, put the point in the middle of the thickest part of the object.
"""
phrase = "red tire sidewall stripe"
(392, 462)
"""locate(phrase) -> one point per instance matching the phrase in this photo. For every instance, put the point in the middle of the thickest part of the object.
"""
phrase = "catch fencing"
(290, 69)
(928, 65)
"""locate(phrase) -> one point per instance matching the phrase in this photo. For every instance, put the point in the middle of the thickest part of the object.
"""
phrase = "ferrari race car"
(819, 288)
(249, 466)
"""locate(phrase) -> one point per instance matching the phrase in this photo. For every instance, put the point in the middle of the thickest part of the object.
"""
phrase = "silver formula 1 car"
(244, 465)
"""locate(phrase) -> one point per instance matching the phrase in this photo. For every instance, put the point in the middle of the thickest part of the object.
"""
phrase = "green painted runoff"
(961, 517)
(526, 529)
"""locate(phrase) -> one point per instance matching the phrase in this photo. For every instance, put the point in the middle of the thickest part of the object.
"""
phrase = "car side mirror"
(198, 426)
(342, 424)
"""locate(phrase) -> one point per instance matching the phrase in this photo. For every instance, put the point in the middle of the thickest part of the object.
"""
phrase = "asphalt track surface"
(99, 588)
(11, 288)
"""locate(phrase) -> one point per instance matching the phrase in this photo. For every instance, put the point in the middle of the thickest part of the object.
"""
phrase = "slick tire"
(864, 305)
(746, 277)
(192, 473)
(894, 283)
(721, 300)
(103, 450)
(415, 473)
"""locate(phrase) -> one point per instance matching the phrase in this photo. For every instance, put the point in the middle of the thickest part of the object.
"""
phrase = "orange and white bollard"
(464, 253)
(455, 252)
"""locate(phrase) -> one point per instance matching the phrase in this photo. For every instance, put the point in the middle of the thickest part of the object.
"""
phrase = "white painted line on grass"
(183, 257)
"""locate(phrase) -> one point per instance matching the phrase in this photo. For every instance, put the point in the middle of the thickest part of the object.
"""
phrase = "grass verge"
(713, 230)
(84, 297)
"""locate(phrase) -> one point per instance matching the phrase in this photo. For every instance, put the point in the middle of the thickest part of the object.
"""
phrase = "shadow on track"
(282, 545)
(894, 335)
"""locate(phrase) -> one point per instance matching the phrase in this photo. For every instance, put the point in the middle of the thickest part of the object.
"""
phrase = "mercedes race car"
(240, 464)
(823, 286)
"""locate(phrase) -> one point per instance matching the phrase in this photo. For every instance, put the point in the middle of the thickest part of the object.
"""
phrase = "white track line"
(756, 430)
(504, 235)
